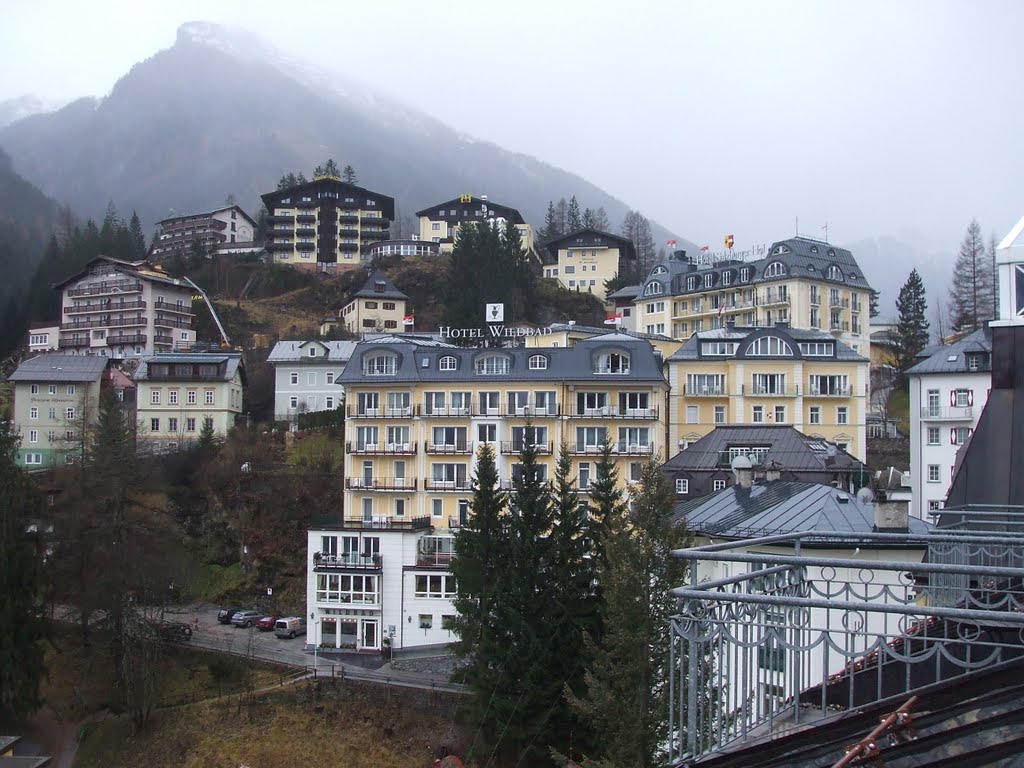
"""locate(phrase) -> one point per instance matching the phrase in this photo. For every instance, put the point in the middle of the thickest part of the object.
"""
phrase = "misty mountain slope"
(221, 113)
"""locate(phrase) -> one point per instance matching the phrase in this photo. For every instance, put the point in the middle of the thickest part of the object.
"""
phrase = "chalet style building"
(440, 223)
(585, 259)
(377, 307)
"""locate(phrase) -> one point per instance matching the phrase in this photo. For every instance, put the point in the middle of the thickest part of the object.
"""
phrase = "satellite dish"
(865, 496)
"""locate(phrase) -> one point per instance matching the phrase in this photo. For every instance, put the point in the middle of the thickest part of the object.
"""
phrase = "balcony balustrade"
(106, 307)
(107, 287)
(750, 390)
(948, 413)
(449, 449)
(463, 484)
(347, 561)
(829, 392)
(381, 449)
(380, 483)
(514, 447)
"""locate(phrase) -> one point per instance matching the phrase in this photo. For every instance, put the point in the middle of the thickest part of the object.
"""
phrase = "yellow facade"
(445, 234)
(364, 315)
(585, 269)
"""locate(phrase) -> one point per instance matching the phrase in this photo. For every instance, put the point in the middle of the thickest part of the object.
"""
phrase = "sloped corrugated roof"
(788, 448)
(61, 368)
(294, 351)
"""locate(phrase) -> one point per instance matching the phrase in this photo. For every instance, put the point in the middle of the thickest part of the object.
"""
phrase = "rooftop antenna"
(796, 226)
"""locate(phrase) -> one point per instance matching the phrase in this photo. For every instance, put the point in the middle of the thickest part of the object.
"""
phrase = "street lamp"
(312, 618)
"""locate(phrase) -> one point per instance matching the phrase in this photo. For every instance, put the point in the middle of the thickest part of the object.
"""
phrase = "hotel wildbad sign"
(494, 316)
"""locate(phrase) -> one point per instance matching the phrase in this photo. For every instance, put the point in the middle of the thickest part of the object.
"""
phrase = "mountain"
(221, 112)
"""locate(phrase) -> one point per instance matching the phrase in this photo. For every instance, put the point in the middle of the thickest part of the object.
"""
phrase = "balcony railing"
(800, 637)
(622, 448)
(712, 391)
(948, 413)
(773, 299)
(346, 561)
(434, 559)
(164, 322)
(614, 412)
(463, 484)
(69, 342)
(752, 390)
(382, 449)
(839, 303)
(159, 338)
(181, 309)
(449, 449)
(828, 392)
(355, 412)
(380, 483)
(106, 307)
(439, 413)
(514, 447)
(137, 338)
(107, 286)
(380, 523)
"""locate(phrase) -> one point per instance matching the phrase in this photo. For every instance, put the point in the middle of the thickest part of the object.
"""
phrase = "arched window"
(769, 345)
(612, 362)
(834, 273)
(659, 270)
(380, 364)
(492, 365)
(448, 363)
(775, 269)
(654, 288)
(538, 363)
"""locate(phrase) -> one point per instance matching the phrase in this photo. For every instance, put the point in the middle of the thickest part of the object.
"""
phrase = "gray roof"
(561, 327)
(420, 363)
(788, 449)
(691, 349)
(297, 351)
(801, 256)
(952, 358)
(369, 289)
(61, 368)
(233, 360)
(628, 292)
(780, 507)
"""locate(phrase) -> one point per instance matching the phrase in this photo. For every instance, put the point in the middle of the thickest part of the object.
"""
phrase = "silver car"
(246, 618)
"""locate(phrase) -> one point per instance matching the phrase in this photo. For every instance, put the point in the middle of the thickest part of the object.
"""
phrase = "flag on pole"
(729, 240)
(704, 249)
(409, 320)
(721, 309)
(615, 319)
(671, 243)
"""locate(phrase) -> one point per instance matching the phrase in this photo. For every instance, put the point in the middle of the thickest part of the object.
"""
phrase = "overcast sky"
(879, 118)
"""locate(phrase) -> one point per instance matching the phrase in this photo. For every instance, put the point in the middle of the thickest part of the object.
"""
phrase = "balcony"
(348, 218)
(837, 303)
(136, 338)
(379, 523)
(711, 391)
(348, 232)
(289, 219)
(750, 390)
(159, 338)
(307, 246)
(948, 413)
(585, 449)
(440, 413)
(380, 483)
(829, 392)
(381, 449)
(355, 412)
(107, 306)
(434, 559)
(514, 447)
(463, 484)
(449, 449)
(107, 287)
(347, 561)
(181, 309)
(632, 449)
(366, 218)
(164, 322)
(348, 246)
(306, 218)
(773, 299)
(70, 342)
(303, 231)
(614, 412)
(839, 327)
(280, 245)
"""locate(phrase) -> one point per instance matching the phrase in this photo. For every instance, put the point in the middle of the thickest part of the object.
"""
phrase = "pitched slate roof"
(592, 238)
(140, 269)
(788, 449)
(952, 358)
(384, 203)
(474, 209)
(296, 351)
(780, 507)
(691, 349)
(369, 289)
(61, 368)
(230, 360)
(627, 293)
(420, 363)
(562, 327)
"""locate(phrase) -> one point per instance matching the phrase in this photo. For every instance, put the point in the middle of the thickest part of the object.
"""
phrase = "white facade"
(944, 410)
(365, 584)
(43, 339)
(304, 376)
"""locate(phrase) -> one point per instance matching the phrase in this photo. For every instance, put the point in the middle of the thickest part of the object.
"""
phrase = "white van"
(290, 626)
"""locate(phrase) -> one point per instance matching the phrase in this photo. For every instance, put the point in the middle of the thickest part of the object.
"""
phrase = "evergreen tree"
(573, 219)
(551, 230)
(300, 178)
(287, 182)
(136, 237)
(873, 296)
(625, 701)
(111, 223)
(636, 228)
(21, 578)
(327, 170)
(464, 303)
(912, 327)
(972, 290)
(606, 507)
(349, 175)
(562, 216)
(207, 437)
(588, 218)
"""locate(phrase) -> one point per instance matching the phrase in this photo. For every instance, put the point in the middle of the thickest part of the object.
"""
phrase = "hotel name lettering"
(491, 332)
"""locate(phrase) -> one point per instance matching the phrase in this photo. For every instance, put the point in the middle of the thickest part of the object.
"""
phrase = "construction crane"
(213, 312)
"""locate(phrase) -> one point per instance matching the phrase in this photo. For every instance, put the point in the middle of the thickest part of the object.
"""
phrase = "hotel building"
(440, 223)
(584, 260)
(228, 225)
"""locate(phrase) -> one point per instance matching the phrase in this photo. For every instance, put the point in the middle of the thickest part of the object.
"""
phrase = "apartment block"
(326, 224)
(304, 376)
(807, 283)
(585, 259)
(769, 376)
(124, 309)
(229, 225)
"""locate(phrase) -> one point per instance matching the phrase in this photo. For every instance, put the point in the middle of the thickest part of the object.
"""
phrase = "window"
(436, 507)
(426, 621)
(933, 436)
(172, 397)
(934, 475)
(33, 458)
(815, 414)
(959, 435)
(842, 415)
(654, 288)
(490, 403)
(768, 384)
(190, 397)
(35, 389)
(692, 414)
(70, 435)
(447, 363)
(705, 383)
(33, 436)
(492, 365)
(154, 397)
(718, 485)
(52, 413)
(973, 362)
(682, 485)
(294, 377)
(209, 397)
(538, 363)
(780, 414)
(172, 425)
(758, 414)
(719, 414)
(569, 269)
(435, 586)
(612, 362)
(933, 402)
(71, 389)
(69, 414)
(775, 269)
(190, 425)
(584, 475)
(371, 305)
(769, 345)
(207, 422)
(293, 402)
(934, 505)
(380, 365)
(590, 438)
(33, 413)
(398, 436)
(544, 403)
(487, 433)
(329, 403)
(154, 425)
(632, 439)
(435, 226)
(962, 397)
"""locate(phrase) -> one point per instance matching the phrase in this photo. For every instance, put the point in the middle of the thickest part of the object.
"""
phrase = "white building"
(223, 226)
(948, 391)
(124, 309)
(304, 376)
(368, 580)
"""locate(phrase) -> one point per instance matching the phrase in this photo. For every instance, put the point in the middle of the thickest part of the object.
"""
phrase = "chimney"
(771, 475)
(892, 515)
(743, 471)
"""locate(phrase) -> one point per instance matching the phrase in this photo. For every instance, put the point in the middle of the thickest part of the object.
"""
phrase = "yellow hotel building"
(771, 376)
(417, 411)
(441, 223)
(584, 260)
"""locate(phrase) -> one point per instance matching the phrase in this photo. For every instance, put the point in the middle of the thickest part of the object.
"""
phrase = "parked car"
(224, 615)
(246, 618)
(290, 626)
(174, 631)
(266, 624)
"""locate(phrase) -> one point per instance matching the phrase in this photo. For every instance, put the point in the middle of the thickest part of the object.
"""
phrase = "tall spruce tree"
(136, 237)
(550, 230)
(573, 218)
(348, 175)
(21, 586)
(972, 290)
(327, 170)
(625, 698)
(873, 296)
(912, 326)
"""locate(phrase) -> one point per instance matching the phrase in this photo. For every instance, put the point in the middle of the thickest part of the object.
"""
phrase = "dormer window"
(612, 362)
(537, 363)
(659, 270)
(378, 286)
(312, 351)
(727, 277)
(769, 346)
(834, 273)
(691, 283)
(381, 364)
(447, 363)
(708, 279)
(780, 250)
(654, 288)
(745, 275)
(491, 365)
(775, 269)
